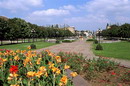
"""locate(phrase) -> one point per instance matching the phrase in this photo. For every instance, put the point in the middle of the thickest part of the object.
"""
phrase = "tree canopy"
(16, 28)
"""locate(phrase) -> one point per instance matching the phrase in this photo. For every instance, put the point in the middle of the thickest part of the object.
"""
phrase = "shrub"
(90, 39)
(95, 41)
(33, 46)
(68, 41)
(58, 42)
(128, 40)
(99, 47)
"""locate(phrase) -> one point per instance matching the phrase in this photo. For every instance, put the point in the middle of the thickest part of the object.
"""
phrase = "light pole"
(57, 33)
(33, 31)
(99, 34)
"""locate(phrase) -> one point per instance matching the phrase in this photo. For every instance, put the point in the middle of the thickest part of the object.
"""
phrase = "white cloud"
(69, 7)
(108, 7)
(15, 5)
(50, 12)
(49, 15)
(88, 19)
(34, 2)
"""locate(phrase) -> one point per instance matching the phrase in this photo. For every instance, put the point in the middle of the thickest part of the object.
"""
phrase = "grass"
(119, 50)
(20, 41)
(23, 46)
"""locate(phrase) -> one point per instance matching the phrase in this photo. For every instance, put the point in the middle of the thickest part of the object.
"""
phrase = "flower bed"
(27, 68)
(99, 72)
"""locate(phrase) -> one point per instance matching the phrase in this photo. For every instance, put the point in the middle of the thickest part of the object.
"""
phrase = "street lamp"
(99, 34)
(57, 33)
(33, 31)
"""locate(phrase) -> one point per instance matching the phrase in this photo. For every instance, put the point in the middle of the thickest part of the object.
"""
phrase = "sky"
(82, 14)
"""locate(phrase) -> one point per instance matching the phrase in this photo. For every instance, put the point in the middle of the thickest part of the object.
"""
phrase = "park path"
(79, 46)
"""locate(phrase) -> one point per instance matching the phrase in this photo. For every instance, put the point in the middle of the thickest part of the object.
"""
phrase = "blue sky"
(83, 14)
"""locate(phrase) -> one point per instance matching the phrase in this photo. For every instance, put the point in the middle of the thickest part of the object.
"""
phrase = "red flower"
(13, 69)
(113, 73)
(7, 51)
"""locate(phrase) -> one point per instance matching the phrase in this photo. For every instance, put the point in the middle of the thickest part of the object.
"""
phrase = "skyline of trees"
(117, 30)
(17, 28)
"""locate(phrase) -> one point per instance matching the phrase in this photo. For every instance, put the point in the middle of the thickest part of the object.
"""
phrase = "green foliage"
(117, 31)
(58, 41)
(95, 41)
(16, 28)
(90, 40)
(99, 47)
(89, 68)
(126, 77)
(33, 46)
(105, 65)
(74, 60)
(67, 41)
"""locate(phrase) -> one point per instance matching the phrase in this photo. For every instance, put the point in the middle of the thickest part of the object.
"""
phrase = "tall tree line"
(122, 31)
(16, 28)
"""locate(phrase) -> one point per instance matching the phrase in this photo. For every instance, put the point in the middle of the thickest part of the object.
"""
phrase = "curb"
(78, 80)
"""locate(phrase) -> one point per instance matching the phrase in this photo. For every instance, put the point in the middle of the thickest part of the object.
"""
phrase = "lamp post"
(57, 33)
(99, 34)
(33, 31)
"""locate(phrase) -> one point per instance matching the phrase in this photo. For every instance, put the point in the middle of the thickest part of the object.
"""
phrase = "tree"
(3, 29)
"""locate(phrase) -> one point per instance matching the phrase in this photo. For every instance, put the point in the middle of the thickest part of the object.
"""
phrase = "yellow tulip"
(51, 65)
(64, 80)
(16, 58)
(61, 84)
(4, 60)
(30, 74)
(58, 71)
(18, 51)
(54, 69)
(42, 68)
(58, 59)
(38, 60)
(46, 74)
(29, 47)
(66, 67)
(38, 74)
(23, 51)
(73, 74)
(10, 78)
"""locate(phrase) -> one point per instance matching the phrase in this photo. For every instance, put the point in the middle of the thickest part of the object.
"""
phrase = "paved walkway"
(79, 46)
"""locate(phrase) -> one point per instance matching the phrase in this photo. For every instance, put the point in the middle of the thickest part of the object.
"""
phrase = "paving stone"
(78, 80)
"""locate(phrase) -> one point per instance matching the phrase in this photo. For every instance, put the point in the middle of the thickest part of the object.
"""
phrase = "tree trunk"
(17, 41)
(11, 41)
(24, 40)
(36, 39)
(41, 39)
(1, 42)
(28, 40)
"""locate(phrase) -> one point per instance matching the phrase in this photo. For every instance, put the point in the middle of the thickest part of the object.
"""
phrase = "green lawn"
(119, 50)
(23, 46)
